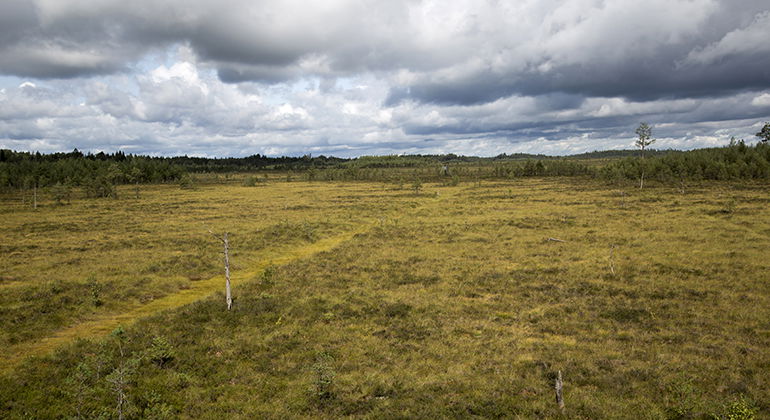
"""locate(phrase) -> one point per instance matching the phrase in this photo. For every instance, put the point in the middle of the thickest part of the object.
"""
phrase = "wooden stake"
(559, 397)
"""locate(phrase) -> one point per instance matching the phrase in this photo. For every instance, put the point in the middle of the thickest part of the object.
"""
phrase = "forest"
(99, 173)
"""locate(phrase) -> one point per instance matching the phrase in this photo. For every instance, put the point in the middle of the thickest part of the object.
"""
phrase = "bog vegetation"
(432, 287)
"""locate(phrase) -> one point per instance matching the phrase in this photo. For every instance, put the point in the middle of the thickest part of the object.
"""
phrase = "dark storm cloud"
(255, 73)
(726, 53)
(636, 80)
(245, 40)
(16, 17)
(272, 42)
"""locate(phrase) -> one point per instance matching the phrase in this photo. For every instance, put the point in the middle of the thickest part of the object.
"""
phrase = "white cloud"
(762, 100)
(752, 39)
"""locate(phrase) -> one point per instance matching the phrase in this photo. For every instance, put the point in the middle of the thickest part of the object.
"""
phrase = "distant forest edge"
(99, 173)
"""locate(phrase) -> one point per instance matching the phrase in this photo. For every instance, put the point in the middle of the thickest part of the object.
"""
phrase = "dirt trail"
(101, 325)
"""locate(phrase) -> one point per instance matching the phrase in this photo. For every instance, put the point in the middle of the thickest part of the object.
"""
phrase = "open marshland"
(370, 300)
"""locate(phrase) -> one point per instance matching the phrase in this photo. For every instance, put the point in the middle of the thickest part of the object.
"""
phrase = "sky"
(371, 77)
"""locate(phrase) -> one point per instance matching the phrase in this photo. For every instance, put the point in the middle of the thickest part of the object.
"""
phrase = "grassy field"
(367, 301)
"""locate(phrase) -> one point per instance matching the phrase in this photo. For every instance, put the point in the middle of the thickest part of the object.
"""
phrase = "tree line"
(733, 162)
(99, 173)
(255, 163)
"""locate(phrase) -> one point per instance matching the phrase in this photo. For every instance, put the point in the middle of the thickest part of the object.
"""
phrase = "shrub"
(739, 409)
(323, 377)
(160, 351)
(186, 182)
(95, 290)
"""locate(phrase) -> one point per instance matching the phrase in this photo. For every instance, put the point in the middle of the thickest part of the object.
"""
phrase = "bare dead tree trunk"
(228, 296)
(559, 397)
(612, 266)
(34, 196)
(120, 379)
(226, 244)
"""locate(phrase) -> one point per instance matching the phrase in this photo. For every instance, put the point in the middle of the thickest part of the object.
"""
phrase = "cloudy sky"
(358, 77)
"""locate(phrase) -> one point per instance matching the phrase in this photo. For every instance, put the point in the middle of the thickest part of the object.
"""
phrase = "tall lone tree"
(644, 131)
(764, 134)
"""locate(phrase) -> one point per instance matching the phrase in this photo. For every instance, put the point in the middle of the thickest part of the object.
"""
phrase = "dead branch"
(555, 240)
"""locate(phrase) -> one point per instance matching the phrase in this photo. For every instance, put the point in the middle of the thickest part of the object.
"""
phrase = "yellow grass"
(265, 205)
(451, 303)
(103, 324)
